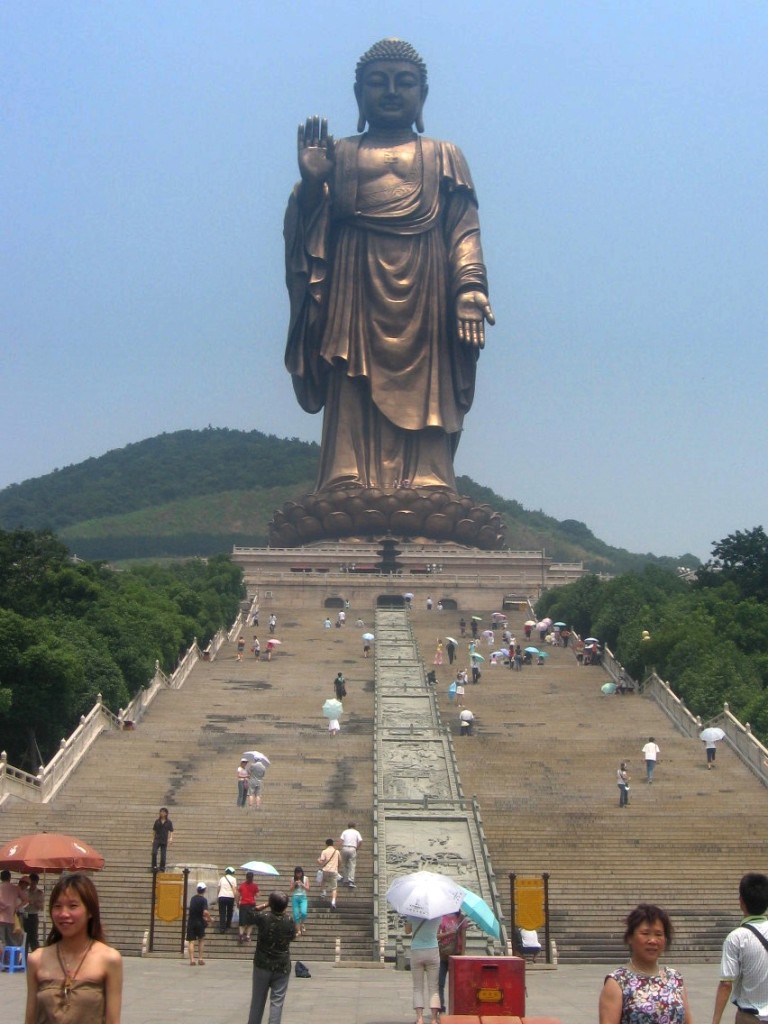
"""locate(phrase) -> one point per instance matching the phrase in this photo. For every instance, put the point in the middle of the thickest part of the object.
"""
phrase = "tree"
(741, 558)
(69, 632)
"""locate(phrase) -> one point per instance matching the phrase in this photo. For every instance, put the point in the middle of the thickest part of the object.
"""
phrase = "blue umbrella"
(608, 688)
(531, 650)
(478, 911)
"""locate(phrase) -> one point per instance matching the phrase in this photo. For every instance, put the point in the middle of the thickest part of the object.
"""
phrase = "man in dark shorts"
(198, 920)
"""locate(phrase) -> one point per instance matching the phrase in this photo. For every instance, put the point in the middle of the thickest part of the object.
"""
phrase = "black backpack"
(302, 971)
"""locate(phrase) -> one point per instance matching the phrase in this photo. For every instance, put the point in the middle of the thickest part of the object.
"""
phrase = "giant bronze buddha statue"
(389, 299)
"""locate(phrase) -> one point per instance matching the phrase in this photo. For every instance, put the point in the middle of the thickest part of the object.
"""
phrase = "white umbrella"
(368, 636)
(712, 735)
(259, 867)
(255, 755)
(425, 894)
(333, 708)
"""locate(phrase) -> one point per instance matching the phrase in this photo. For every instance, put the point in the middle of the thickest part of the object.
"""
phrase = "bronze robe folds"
(373, 281)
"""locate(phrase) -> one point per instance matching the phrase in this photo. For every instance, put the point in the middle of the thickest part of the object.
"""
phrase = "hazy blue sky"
(620, 153)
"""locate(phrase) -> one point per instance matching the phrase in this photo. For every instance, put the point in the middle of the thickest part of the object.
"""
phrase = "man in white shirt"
(351, 840)
(651, 753)
(744, 964)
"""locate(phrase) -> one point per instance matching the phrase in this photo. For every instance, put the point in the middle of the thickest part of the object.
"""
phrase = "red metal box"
(487, 986)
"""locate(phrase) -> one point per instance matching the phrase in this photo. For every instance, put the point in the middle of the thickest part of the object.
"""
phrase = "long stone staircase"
(184, 754)
(542, 764)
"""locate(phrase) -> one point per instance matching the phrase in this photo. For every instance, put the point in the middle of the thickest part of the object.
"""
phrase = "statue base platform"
(414, 515)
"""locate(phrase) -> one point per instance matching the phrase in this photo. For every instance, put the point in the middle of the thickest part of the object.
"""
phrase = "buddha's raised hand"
(315, 148)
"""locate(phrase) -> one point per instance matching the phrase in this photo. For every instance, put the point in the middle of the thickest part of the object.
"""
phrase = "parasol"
(255, 755)
(451, 640)
(259, 867)
(49, 851)
(478, 911)
(608, 688)
(425, 894)
(712, 734)
(333, 708)
(368, 636)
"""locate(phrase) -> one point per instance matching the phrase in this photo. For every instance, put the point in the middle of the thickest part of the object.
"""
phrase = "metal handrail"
(43, 787)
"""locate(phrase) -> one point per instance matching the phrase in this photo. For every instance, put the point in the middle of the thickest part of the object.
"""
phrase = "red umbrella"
(49, 851)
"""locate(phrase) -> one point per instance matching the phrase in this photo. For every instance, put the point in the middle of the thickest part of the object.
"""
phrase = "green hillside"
(198, 492)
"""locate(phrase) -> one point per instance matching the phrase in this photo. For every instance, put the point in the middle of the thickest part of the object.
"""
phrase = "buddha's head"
(391, 86)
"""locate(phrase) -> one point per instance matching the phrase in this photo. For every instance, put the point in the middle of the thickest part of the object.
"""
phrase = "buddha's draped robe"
(373, 277)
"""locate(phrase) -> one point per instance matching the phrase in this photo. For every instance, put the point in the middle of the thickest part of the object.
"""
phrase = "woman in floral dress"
(642, 992)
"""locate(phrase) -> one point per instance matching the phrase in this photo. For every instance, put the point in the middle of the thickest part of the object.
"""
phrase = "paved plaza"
(167, 991)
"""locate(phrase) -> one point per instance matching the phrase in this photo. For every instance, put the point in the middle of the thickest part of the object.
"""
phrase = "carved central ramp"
(422, 820)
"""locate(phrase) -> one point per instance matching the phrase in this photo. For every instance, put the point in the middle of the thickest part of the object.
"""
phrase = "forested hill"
(198, 492)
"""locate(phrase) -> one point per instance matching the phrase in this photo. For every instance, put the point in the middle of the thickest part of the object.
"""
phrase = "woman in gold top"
(387, 284)
(76, 978)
